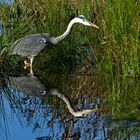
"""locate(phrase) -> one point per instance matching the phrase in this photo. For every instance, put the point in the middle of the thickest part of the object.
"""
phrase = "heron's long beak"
(95, 26)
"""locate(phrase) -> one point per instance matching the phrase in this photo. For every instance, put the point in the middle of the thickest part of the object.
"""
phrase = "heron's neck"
(71, 110)
(56, 40)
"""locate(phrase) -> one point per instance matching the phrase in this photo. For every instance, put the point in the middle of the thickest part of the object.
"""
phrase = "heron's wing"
(30, 45)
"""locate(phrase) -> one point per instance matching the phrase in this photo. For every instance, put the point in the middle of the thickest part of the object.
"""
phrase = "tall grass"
(115, 46)
(121, 26)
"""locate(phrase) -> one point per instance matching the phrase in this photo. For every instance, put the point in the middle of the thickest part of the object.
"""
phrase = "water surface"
(29, 112)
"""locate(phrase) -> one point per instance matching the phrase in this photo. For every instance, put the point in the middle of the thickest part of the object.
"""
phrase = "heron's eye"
(84, 20)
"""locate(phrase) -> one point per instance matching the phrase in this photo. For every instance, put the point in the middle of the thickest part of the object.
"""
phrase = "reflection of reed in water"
(82, 113)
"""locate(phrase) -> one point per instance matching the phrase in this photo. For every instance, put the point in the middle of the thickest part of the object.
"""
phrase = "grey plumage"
(30, 45)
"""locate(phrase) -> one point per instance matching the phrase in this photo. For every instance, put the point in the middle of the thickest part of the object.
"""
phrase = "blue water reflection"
(6, 1)
(24, 116)
(38, 124)
(28, 124)
(34, 120)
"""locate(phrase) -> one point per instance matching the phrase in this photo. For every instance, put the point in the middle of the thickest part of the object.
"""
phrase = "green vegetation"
(114, 48)
(121, 25)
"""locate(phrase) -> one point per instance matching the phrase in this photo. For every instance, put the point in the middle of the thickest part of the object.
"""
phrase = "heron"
(31, 45)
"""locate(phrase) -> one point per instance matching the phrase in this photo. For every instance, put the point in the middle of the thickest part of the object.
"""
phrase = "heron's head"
(81, 19)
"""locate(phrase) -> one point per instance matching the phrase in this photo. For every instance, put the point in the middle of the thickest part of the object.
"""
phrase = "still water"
(29, 110)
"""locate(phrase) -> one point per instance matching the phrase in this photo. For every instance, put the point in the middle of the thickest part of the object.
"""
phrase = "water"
(29, 111)
(9, 2)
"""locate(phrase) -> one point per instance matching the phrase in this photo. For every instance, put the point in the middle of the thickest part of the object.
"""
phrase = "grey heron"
(30, 45)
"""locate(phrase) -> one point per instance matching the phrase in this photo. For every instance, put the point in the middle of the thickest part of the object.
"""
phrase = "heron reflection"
(32, 86)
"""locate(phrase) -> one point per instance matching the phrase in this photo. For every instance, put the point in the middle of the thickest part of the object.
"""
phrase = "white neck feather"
(56, 40)
(71, 110)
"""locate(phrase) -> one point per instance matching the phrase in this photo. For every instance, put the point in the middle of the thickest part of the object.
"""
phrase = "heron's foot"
(27, 65)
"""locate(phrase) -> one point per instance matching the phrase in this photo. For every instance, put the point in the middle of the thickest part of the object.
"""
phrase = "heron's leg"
(31, 71)
(31, 61)
(31, 64)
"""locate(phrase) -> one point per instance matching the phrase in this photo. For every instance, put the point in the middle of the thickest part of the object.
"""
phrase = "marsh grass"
(121, 25)
(115, 47)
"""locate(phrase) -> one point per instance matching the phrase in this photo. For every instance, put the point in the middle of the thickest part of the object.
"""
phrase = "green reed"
(115, 46)
(121, 26)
